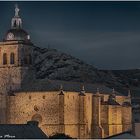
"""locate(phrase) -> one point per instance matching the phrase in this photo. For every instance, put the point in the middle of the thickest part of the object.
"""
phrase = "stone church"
(80, 111)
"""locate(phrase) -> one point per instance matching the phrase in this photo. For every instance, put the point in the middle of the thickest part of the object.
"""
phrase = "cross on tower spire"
(16, 10)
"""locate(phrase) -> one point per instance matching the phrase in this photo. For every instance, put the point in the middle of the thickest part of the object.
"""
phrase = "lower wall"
(76, 118)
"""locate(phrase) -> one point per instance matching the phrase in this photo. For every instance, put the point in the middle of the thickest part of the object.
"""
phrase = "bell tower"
(16, 56)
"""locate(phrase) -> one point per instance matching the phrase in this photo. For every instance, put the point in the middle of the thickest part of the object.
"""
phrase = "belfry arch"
(4, 58)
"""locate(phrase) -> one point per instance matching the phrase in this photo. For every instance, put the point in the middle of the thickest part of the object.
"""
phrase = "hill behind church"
(55, 65)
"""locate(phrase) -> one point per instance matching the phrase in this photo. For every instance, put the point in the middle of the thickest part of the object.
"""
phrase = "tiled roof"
(124, 135)
(21, 131)
(126, 104)
(54, 85)
(111, 102)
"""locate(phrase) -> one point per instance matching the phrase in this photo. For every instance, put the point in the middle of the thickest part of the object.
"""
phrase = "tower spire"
(61, 90)
(83, 88)
(16, 22)
(82, 92)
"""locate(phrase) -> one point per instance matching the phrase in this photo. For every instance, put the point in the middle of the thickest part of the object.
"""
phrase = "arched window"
(15, 23)
(4, 59)
(12, 58)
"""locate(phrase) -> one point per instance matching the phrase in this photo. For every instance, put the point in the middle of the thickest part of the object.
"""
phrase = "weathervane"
(16, 10)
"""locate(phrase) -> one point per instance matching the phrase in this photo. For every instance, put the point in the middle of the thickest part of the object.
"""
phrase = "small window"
(4, 59)
(29, 97)
(12, 58)
(36, 108)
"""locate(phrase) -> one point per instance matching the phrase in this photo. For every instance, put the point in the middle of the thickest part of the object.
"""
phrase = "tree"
(60, 136)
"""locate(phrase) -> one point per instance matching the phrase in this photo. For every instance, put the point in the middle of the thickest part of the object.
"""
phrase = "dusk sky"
(104, 34)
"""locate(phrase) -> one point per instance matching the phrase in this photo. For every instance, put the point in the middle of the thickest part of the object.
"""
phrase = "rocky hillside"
(52, 64)
(130, 79)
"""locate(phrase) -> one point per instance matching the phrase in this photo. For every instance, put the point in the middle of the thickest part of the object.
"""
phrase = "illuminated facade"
(87, 113)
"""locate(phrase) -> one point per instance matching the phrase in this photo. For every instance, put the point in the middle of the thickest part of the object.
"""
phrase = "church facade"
(80, 111)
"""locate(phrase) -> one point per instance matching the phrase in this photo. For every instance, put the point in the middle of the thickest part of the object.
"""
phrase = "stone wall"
(8, 49)
(45, 107)
(104, 119)
(97, 130)
(20, 51)
(122, 99)
(115, 119)
(111, 119)
(3, 108)
(75, 115)
(126, 118)
(72, 114)
(12, 75)
(88, 115)
(11, 78)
